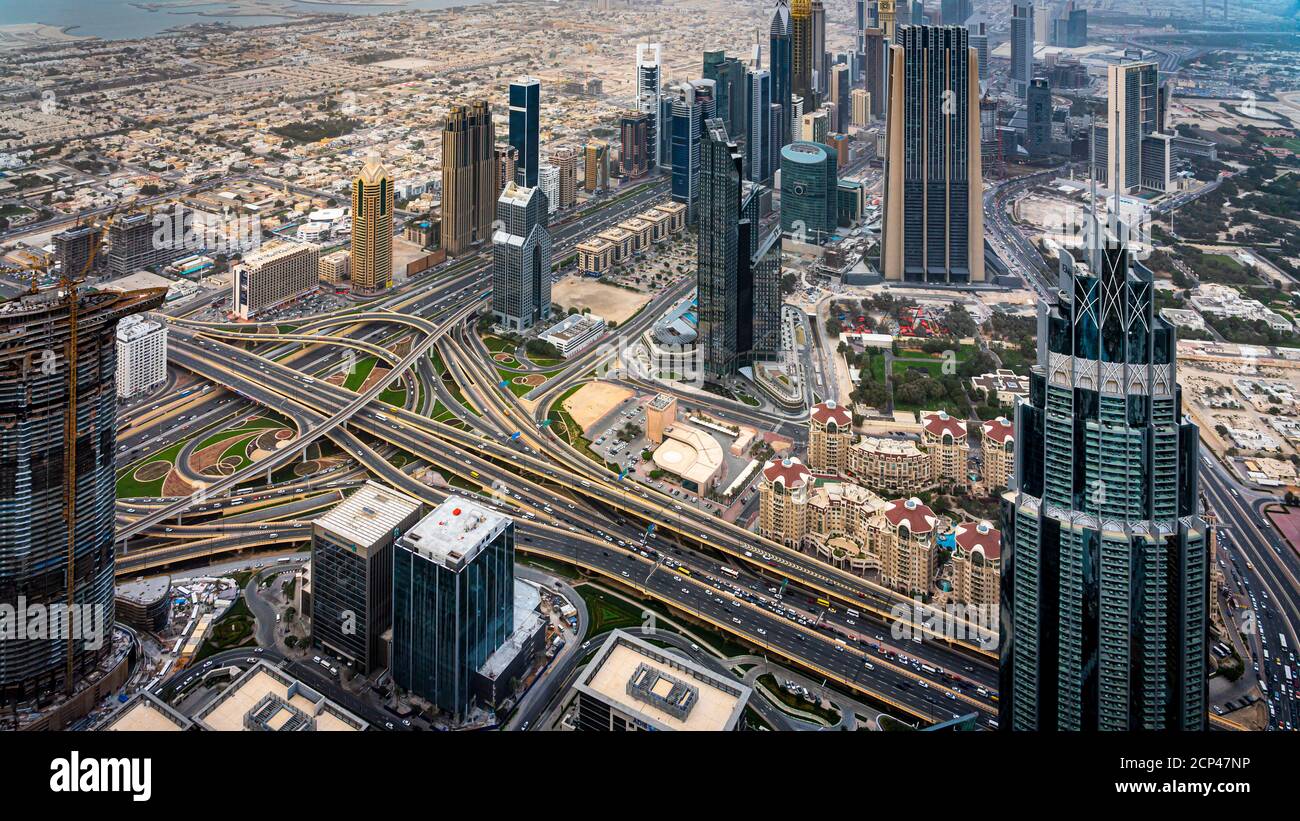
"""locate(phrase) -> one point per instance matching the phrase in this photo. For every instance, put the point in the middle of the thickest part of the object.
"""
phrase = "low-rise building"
(575, 333)
(336, 268)
(1003, 384)
(690, 454)
(264, 698)
(660, 414)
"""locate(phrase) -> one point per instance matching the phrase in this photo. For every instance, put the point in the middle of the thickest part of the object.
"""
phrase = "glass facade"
(808, 192)
(525, 112)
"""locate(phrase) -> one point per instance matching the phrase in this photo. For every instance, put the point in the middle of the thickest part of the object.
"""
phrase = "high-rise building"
(840, 86)
(453, 600)
(525, 126)
(634, 159)
(815, 126)
(955, 12)
(73, 249)
(692, 104)
(277, 273)
(648, 87)
(808, 192)
(548, 179)
(507, 160)
(53, 486)
(802, 64)
(372, 229)
(758, 146)
(1070, 27)
(933, 213)
(1022, 46)
(521, 259)
(1132, 113)
(131, 245)
(1105, 558)
(141, 355)
(566, 159)
(860, 108)
(876, 65)
(468, 177)
(1038, 118)
(979, 40)
(730, 92)
(830, 435)
(779, 62)
(352, 573)
(595, 176)
(738, 270)
(817, 48)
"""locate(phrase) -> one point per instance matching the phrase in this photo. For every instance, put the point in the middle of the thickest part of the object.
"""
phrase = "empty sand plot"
(610, 302)
(592, 401)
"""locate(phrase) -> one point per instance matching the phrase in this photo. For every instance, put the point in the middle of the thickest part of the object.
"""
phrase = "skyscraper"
(648, 86)
(1022, 46)
(507, 164)
(566, 159)
(372, 229)
(875, 60)
(692, 104)
(453, 600)
(521, 259)
(1132, 113)
(548, 179)
(728, 76)
(53, 486)
(934, 214)
(820, 59)
(634, 159)
(1038, 118)
(73, 250)
(979, 40)
(840, 86)
(525, 117)
(738, 272)
(779, 61)
(954, 12)
(595, 177)
(758, 146)
(808, 192)
(468, 177)
(802, 64)
(1105, 568)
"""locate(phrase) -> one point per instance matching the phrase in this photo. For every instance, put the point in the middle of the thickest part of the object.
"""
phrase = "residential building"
(891, 465)
(635, 158)
(566, 159)
(830, 436)
(371, 268)
(783, 490)
(74, 250)
(860, 107)
(998, 446)
(944, 438)
(760, 143)
(469, 177)
(595, 176)
(977, 567)
(906, 546)
(336, 267)
(274, 274)
(649, 84)
(507, 162)
(1022, 46)
(141, 355)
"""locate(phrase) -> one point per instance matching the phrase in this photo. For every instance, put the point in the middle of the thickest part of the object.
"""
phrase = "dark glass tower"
(692, 104)
(809, 178)
(780, 66)
(57, 492)
(525, 113)
(728, 76)
(1105, 569)
(453, 600)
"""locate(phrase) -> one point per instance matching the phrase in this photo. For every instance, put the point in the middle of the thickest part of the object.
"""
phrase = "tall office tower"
(548, 179)
(468, 177)
(52, 485)
(352, 573)
(861, 15)
(876, 61)
(990, 136)
(815, 126)
(595, 166)
(801, 56)
(1132, 112)
(955, 12)
(1105, 569)
(372, 230)
(453, 600)
(809, 187)
(634, 159)
(841, 84)
(521, 259)
(860, 108)
(820, 60)
(566, 159)
(1022, 46)
(131, 245)
(1070, 29)
(758, 147)
(1038, 118)
(507, 164)
(979, 40)
(281, 271)
(775, 132)
(796, 108)
(780, 62)
(648, 85)
(141, 355)
(525, 125)
(885, 11)
(692, 104)
(934, 213)
(739, 272)
(728, 76)
(73, 249)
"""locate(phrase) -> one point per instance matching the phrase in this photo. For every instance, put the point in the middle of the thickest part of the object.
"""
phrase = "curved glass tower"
(1105, 562)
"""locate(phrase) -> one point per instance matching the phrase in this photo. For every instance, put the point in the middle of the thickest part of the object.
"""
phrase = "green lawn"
(360, 373)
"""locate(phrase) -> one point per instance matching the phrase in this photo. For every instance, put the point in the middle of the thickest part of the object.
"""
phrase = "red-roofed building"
(830, 434)
(977, 564)
(783, 501)
(944, 437)
(905, 543)
(999, 448)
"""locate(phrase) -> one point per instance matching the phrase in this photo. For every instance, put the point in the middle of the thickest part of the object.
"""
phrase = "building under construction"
(57, 490)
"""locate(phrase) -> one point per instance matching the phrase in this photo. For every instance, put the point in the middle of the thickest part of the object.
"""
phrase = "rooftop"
(999, 430)
(788, 471)
(911, 512)
(455, 532)
(269, 698)
(369, 515)
(979, 537)
(937, 423)
(831, 411)
(146, 712)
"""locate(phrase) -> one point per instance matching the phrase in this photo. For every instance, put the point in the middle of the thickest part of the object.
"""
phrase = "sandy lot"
(592, 401)
(608, 301)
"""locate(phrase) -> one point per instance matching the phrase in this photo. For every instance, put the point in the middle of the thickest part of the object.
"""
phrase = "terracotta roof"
(939, 422)
(789, 471)
(830, 411)
(982, 537)
(917, 517)
(1000, 430)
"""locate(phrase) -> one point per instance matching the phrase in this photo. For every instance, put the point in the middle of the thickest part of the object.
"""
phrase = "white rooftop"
(368, 515)
(454, 533)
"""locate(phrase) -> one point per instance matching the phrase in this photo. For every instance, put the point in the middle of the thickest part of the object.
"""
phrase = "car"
(761, 631)
(924, 685)
(625, 574)
(735, 620)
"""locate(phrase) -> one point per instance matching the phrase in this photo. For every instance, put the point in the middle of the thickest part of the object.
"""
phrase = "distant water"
(119, 20)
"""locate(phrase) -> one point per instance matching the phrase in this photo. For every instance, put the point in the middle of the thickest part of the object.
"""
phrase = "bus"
(685, 571)
(1287, 669)
(851, 613)
(1282, 638)
(823, 603)
(729, 571)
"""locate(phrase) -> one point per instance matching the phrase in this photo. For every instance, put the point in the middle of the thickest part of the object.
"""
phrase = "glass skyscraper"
(758, 148)
(808, 191)
(780, 66)
(525, 113)
(453, 600)
(692, 104)
(521, 259)
(1105, 568)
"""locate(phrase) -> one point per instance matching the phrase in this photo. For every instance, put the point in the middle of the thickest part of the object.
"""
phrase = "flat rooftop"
(369, 515)
(146, 712)
(455, 532)
(665, 691)
(272, 698)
